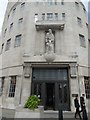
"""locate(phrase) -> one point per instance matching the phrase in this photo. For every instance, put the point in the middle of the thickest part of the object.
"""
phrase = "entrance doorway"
(50, 96)
(52, 87)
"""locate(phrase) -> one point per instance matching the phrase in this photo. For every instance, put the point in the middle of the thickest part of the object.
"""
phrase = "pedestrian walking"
(82, 102)
(83, 108)
(84, 113)
(77, 106)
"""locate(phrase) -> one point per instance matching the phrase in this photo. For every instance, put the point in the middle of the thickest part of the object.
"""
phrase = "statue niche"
(49, 41)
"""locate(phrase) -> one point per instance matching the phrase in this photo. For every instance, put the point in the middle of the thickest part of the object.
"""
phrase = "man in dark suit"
(83, 108)
(76, 103)
(82, 102)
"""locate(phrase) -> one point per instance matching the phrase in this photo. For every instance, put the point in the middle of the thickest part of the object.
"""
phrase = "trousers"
(77, 113)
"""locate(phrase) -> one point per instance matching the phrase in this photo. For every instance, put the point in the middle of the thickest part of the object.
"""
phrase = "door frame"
(56, 82)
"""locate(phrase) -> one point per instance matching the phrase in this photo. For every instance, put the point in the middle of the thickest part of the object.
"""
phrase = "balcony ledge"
(49, 24)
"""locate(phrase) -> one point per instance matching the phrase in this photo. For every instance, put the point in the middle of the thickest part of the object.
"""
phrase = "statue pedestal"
(49, 56)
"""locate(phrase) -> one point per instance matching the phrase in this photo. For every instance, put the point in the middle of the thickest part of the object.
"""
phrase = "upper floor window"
(84, 9)
(12, 86)
(20, 20)
(14, 10)
(11, 26)
(50, 2)
(8, 44)
(36, 17)
(2, 85)
(22, 5)
(82, 40)
(56, 2)
(63, 16)
(79, 21)
(2, 47)
(77, 4)
(56, 16)
(49, 16)
(43, 16)
(8, 16)
(62, 2)
(18, 40)
(5, 31)
(87, 25)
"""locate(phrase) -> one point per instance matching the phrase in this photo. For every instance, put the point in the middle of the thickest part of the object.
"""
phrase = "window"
(20, 20)
(79, 21)
(36, 17)
(11, 26)
(87, 25)
(8, 16)
(63, 16)
(2, 48)
(43, 16)
(84, 9)
(5, 31)
(2, 85)
(49, 16)
(77, 4)
(56, 2)
(87, 86)
(49, 2)
(18, 40)
(62, 2)
(12, 86)
(82, 40)
(56, 16)
(22, 5)
(14, 10)
(8, 44)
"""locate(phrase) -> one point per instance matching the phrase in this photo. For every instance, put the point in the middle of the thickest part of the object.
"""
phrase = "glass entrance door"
(51, 85)
(63, 96)
(50, 96)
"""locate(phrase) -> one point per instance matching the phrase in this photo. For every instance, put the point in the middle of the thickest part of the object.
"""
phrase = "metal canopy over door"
(51, 85)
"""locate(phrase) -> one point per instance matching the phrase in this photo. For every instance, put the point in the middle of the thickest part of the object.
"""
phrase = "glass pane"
(60, 93)
(50, 74)
(65, 93)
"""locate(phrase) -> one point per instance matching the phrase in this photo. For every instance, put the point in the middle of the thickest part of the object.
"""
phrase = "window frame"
(63, 16)
(87, 88)
(43, 16)
(14, 9)
(79, 20)
(23, 5)
(82, 40)
(2, 85)
(11, 25)
(76, 4)
(49, 16)
(2, 47)
(20, 20)
(8, 44)
(18, 38)
(12, 88)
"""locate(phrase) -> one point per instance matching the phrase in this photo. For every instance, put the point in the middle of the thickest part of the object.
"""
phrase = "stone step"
(55, 114)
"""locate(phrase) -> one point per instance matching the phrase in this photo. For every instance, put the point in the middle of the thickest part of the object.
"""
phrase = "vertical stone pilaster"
(26, 84)
(18, 90)
(5, 91)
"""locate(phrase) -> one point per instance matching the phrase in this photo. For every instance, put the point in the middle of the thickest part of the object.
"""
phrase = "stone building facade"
(44, 51)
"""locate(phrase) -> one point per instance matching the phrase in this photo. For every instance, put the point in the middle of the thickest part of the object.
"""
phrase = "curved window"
(18, 40)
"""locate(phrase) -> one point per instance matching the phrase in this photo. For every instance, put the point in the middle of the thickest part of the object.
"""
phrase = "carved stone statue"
(49, 41)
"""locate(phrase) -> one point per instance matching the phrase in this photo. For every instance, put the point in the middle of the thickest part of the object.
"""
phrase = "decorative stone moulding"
(50, 57)
(46, 24)
(27, 72)
(73, 70)
(26, 75)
